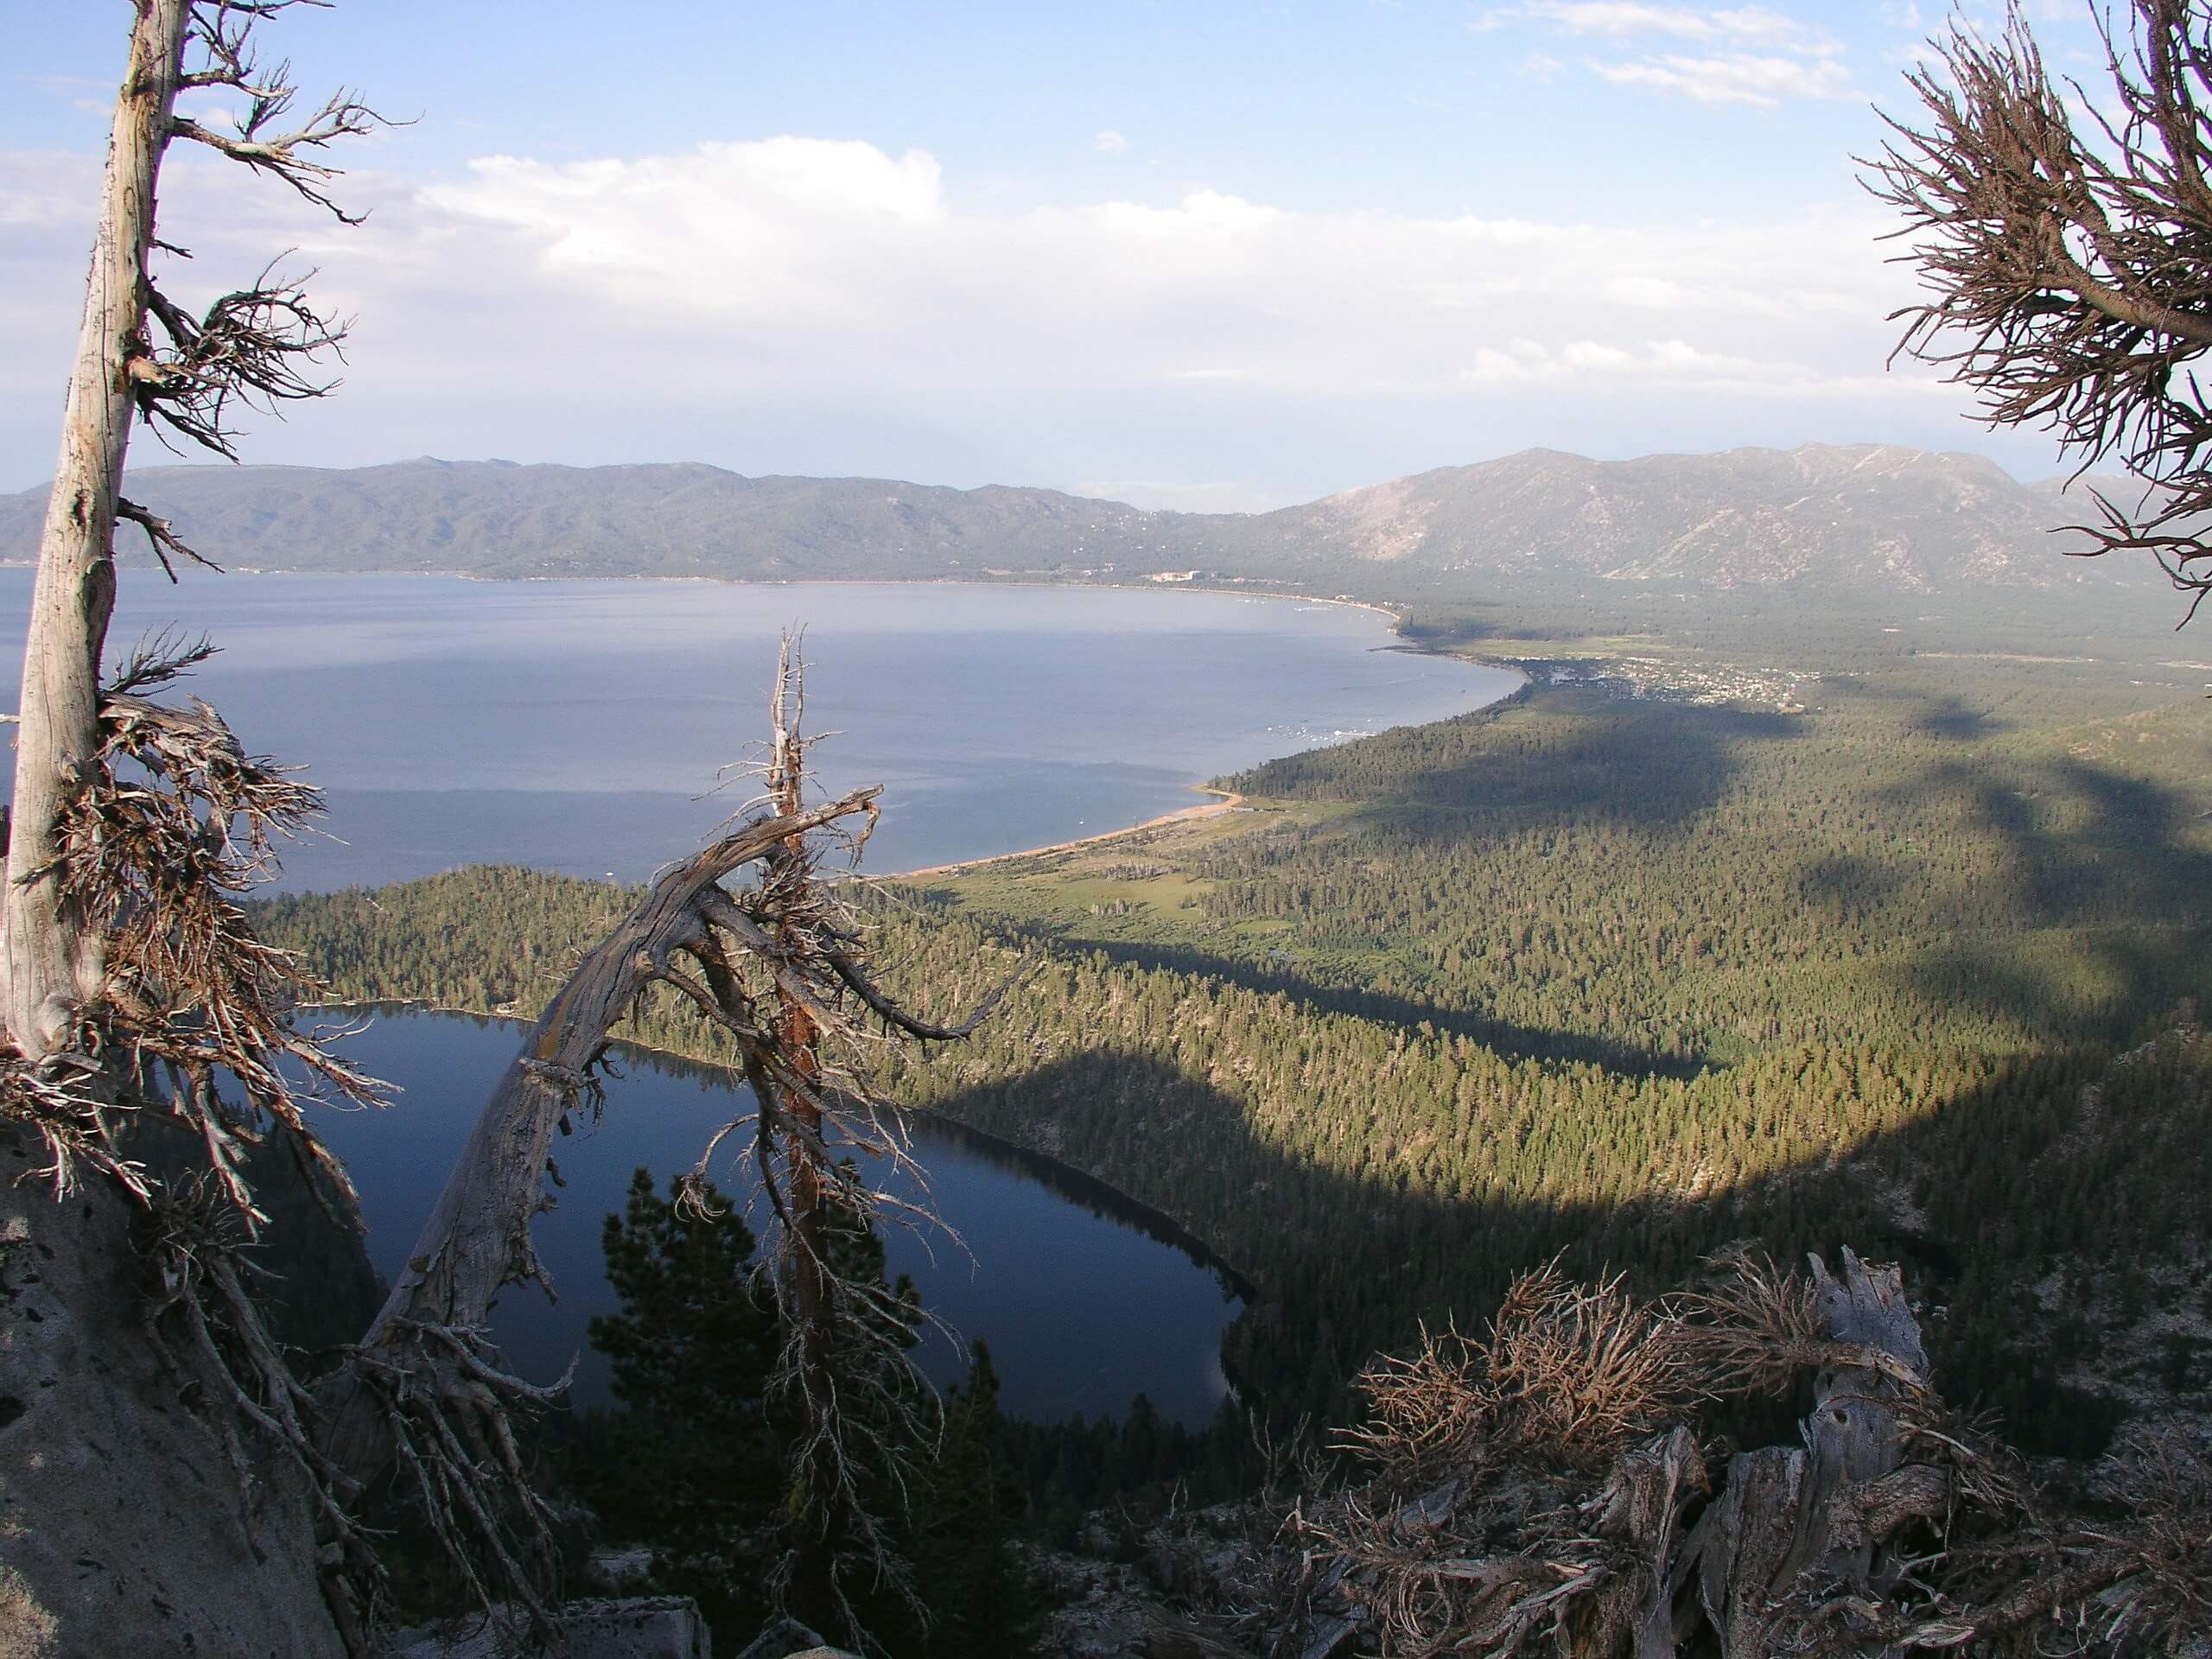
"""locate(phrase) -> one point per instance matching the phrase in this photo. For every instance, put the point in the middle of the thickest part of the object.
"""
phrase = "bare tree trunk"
(53, 961)
(814, 1568)
(1786, 1510)
(477, 1237)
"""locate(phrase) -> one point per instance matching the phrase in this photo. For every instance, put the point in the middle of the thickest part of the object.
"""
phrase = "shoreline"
(1379, 608)
(1066, 1180)
(1229, 801)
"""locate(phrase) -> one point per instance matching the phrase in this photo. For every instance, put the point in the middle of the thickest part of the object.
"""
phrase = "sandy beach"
(1229, 801)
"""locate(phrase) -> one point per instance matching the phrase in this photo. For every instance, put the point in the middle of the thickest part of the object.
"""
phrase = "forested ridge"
(1630, 979)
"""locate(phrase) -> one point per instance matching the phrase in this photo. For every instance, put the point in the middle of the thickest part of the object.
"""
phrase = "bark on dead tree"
(1893, 1528)
(775, 967)
(816, 1537)
(53, 960)
(130, 981)
(138, 353)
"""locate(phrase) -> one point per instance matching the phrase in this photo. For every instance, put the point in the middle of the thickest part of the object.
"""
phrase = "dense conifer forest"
(1668, 954)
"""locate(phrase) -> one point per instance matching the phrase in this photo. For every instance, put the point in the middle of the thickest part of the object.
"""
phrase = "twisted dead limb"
(423, 1388)
(775, 966)
(1893, 1526)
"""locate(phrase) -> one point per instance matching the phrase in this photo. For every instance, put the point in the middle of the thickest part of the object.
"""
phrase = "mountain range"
(1872, 519)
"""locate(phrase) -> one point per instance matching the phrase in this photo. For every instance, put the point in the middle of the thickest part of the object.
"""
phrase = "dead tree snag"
(775, 967)
(132, 985)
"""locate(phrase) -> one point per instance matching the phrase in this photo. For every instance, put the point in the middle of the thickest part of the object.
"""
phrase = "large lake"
(575, 725)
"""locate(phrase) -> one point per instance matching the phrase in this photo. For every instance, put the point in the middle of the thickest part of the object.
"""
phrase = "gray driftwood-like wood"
(477, 1239)
(1784, 1511)
(53, 963)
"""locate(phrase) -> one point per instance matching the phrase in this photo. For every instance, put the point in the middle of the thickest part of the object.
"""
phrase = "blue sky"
(1205, 255)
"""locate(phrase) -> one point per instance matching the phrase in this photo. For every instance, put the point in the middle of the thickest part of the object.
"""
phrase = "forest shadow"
(1502, 1037)
(2081, 847)
(1951, 719)
(1974, 1197)
(1941, 716)
(1442, 631)
(1575, 747)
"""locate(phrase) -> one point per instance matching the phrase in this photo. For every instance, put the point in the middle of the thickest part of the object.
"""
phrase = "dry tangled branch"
(254, 347)
(177, 822)
(1895, 1526)
(194, 1042)
(1567, 1374)
(777, 966)
(2068, 256)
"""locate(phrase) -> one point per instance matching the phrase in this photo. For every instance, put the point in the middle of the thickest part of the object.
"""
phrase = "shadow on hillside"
(1974, 1197)
(1846, 880)
(1504, 1037)
(1951, 719)
(1571, 749)
(2117, 859)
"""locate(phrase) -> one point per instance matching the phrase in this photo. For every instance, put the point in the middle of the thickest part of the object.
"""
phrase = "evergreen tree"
(691, 1465)
(966, 1513)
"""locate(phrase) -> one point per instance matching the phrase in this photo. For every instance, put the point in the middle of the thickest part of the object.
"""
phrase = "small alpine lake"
(1085, 1299)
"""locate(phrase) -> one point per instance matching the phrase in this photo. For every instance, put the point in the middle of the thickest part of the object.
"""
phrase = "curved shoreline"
(1231, 800)
(1070, 1182)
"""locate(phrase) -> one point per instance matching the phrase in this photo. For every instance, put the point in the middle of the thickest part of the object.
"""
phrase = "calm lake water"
(1085, 1300)
(575, 725)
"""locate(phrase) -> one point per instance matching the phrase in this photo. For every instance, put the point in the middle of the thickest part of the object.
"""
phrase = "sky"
(1197, 254)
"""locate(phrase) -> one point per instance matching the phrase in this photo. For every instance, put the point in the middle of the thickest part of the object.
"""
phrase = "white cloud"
(1672, 363)
(627, 308)
(1746, 26)
(1735, 78)
(1203, 213)
(1110, 143)
(1755, 56)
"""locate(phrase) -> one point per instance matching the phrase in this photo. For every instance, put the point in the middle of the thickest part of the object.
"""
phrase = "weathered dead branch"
(2068, 256)
(1893, 1526)
(777, 966)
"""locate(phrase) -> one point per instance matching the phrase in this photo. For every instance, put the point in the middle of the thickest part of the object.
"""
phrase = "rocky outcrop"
(625, 1627)
(125, 1526)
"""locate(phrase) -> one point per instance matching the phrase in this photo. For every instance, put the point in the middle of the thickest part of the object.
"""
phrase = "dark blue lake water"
(1085, 1300)
(575, 725)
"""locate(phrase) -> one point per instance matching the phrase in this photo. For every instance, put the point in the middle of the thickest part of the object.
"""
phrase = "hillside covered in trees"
(1891, 950)
(1879, 519)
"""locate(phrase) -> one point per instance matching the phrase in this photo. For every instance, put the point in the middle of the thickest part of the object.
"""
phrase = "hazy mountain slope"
(1874, 516)
(677, 519)
(1873, 519)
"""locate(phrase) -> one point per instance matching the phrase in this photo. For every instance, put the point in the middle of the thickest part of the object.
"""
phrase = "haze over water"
(575, 726)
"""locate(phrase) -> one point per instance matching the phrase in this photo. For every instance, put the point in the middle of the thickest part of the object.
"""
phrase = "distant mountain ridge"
(1874, 518)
